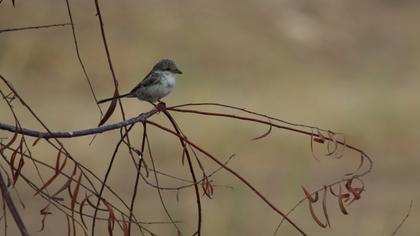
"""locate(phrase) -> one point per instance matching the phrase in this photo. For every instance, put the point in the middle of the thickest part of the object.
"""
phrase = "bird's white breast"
(168, 79)
(159, 90)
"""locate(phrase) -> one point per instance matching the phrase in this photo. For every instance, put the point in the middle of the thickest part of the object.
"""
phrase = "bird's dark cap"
(167, 65)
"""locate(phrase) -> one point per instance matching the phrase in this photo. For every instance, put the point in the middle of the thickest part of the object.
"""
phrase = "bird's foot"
(161, 106)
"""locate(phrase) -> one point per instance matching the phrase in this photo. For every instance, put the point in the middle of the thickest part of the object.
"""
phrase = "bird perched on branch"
(157, 84)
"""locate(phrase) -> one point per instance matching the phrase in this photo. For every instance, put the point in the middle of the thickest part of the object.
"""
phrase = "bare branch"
(11, 205)
(182, 139)
(76, 45)
(33, 27)
(242, 179)
(70, 134)
(404, 219)
(327, 136)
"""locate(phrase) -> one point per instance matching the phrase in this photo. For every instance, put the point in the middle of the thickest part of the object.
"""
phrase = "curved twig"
(262, 197)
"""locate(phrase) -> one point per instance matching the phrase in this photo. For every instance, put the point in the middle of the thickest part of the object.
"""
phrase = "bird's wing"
(152, 78)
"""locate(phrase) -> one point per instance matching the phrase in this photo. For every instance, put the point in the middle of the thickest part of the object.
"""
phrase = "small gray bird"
(157, 84)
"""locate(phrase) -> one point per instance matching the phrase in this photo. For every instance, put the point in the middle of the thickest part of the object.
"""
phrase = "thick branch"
(70, 134)
(10, 204)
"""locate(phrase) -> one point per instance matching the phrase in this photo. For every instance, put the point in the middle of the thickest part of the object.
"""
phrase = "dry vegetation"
(348, 66)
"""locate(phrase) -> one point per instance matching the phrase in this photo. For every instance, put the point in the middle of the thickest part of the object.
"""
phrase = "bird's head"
(167, 65)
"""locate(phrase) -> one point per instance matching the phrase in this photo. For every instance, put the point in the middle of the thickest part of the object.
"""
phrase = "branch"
(76, 45)
(242, 179)
(12, 208)
(33, 27)
(404, 219)
(70, 134)
(187, 154)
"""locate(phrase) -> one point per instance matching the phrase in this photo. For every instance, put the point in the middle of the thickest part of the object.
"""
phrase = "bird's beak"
(177, 71)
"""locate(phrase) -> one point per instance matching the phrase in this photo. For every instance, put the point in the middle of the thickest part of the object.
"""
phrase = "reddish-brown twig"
(242, 179)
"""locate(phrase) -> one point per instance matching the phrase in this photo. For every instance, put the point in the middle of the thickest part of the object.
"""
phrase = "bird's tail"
(112, 98)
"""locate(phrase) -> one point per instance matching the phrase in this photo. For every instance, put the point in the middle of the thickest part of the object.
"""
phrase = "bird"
(157, 84)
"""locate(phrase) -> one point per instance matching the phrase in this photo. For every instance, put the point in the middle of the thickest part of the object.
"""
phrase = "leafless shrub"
(81, 199)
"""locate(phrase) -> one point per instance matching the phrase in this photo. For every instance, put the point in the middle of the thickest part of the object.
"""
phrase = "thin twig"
(61, 207)
(76, 45)
(296, 130)
(242, 179)
(81, 185)
(182, 139)
(133, 199)
(404, 219)
(158, 189)
(60, 144)
(33, 27)
(114, 78)
(108, 171)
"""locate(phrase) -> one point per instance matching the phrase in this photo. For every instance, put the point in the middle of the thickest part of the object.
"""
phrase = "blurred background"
(346, 66)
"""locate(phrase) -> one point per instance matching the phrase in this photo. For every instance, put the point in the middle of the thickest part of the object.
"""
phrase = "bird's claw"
(160, 106)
